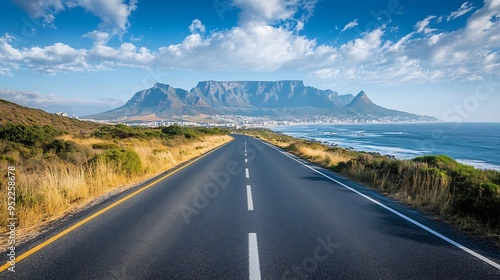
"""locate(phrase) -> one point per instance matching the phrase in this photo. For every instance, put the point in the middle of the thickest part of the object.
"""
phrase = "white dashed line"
(246, 173)
(249, 198)
(253, 257)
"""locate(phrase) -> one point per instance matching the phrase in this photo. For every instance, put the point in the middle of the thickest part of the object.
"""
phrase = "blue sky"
(439, 58)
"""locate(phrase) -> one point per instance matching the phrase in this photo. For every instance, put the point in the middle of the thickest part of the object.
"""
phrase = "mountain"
(363, 105)
(247, 98)
(360, 101)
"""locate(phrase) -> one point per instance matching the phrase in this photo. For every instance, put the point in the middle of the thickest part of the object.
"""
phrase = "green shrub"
(213, 130)
(28, 135)
(153, 133)
(176, 130)
(114, 132)
(68, 151)
(121, 131)
(490, 188)
(173, 130)
(441, 161)
(126, 161)
(59, 146)
(190, 134)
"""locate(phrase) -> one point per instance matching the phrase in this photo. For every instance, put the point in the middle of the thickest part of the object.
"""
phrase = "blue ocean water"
(476, 144)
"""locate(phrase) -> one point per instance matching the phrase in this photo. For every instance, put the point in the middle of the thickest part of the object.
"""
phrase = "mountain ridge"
(246, 98)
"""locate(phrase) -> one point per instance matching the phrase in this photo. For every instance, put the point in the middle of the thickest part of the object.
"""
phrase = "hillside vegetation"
(62, 164)
(14, 113)
(463, 195)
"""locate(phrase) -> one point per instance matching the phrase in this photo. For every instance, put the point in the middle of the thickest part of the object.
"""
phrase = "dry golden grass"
(82, 141)
(319, 154)
(50, 192)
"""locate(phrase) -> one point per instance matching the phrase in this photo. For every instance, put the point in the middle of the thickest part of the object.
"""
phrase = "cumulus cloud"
(114, 14)
(98, 37)
(266, 41)
(60, 57)
(469, 53)
(263, 48)
(197, 26)
(464, 9)
(360, 49)
(55, 103)
(55, 58)
(350, 25)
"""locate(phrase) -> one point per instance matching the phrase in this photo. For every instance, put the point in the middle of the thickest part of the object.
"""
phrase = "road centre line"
(249, 198)
(247, 175)
(253, 257)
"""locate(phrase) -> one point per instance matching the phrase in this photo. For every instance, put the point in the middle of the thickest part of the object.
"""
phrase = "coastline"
(317, 133)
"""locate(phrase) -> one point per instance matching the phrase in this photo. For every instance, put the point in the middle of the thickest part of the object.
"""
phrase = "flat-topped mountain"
(248, 98)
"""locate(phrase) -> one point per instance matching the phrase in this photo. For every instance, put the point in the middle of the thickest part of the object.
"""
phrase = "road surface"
(250, 211)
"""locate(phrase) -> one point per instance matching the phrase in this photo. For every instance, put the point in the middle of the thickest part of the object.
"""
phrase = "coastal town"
(238, 121)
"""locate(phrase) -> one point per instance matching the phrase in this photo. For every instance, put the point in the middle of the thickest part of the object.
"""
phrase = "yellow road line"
(84, 221)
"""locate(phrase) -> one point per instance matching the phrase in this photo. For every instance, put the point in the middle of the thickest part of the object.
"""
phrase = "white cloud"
(300, 26)
(55, 58)
(60, 57)
(55, 103)
(44, 9)
(125, 55)
(424, 55)
(114, 14)
(464, 54)
(7, 51)
(271, 12)
(350, 25)
(464, 9)
(264, 48)
(136, 39)
(261, 12)
(197, 26)
(423, 25)
(362, 48)
(98, 37)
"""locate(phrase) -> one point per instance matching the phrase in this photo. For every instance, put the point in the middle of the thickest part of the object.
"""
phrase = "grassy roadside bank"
(57, 171)
(467, 197)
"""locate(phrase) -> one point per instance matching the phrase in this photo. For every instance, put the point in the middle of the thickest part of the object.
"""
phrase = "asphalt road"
(248, 210)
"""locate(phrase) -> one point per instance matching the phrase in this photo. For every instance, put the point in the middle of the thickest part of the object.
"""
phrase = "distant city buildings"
(236, 121)
(63, 114)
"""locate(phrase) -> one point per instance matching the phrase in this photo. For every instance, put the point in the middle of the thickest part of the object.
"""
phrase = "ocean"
(476, 144)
